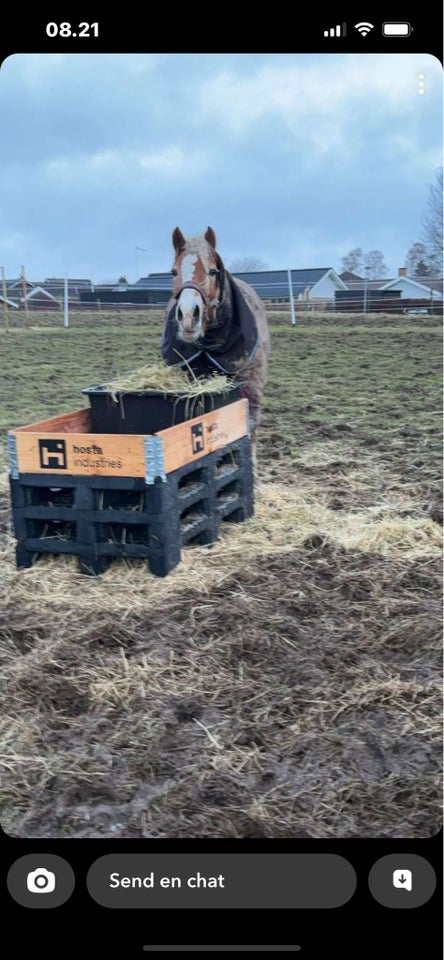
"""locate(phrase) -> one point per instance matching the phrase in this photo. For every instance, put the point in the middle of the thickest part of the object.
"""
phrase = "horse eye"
(213, 272)
(174, 272)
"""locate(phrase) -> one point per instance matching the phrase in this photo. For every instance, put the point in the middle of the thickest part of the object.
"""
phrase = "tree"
(433, 225)
(416, 255)
(353, 261)
(423, 269)
(374, 265)
(247, 265)
(122, 279)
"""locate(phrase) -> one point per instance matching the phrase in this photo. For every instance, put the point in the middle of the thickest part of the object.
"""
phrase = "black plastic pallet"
(102, 518)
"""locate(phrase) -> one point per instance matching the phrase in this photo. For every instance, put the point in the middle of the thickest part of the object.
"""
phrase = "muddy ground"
(285, 682)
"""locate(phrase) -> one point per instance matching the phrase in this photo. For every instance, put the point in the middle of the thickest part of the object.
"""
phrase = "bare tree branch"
(433, 225)
(247, 265)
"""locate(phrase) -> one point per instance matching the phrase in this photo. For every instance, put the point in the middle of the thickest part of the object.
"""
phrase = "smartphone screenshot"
(221, 301)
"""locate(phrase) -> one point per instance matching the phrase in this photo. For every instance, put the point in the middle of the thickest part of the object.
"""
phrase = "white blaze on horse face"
(190, 311)
(189, 314)
(187, 268)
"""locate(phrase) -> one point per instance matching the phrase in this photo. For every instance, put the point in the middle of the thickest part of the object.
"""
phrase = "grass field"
(284, 682)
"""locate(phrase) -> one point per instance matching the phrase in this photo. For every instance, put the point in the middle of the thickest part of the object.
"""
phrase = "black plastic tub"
(149, 411)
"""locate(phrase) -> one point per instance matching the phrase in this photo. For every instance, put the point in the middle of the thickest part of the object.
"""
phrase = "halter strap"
(193, 286)
(190, 284)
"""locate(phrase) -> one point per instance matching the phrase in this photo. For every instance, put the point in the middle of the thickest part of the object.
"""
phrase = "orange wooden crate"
(67, 443)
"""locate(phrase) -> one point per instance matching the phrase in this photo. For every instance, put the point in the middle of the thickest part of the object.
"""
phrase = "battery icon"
(396, 29)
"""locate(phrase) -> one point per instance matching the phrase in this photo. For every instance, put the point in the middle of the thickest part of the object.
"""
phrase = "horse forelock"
(200, 248)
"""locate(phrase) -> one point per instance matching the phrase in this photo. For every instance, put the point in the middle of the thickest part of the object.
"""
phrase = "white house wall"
(325, 288)
(412, 291)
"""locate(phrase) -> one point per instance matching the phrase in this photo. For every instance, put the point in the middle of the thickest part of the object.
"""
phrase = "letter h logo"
(52, 454)
(197, 438)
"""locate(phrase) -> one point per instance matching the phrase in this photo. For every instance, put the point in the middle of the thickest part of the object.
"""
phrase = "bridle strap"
(190, 285)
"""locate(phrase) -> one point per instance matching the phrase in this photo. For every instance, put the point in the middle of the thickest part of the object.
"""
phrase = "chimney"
(402, 271)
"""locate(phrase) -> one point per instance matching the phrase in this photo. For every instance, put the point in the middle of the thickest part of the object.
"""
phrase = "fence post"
(24, 298)
(5, 300)
(66, 303)
(290, 290)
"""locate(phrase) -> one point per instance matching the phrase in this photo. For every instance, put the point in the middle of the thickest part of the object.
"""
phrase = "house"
(423, 288)
(48, 294)
(315, 284)
(36, 297)
(419, 289)
(384, 295)
(40, 299)
(308, 285)
(18, 284)
(8, 302)
(137, 294)
(56, 287)
(14, 288)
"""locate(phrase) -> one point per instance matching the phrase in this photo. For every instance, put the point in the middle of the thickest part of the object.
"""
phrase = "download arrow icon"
(402, 879)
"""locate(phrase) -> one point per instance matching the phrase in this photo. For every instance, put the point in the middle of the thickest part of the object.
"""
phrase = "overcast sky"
(291, 158)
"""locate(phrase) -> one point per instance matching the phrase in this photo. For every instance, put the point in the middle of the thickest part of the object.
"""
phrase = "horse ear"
(178, 240)
(210, 236)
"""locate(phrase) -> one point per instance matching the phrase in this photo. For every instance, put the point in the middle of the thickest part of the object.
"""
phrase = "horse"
(216, 323)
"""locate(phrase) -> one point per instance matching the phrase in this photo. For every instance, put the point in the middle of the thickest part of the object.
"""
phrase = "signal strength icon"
(364, 28)
(337, 31)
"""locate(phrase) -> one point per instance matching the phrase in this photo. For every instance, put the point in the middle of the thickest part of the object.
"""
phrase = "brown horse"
(216, 323)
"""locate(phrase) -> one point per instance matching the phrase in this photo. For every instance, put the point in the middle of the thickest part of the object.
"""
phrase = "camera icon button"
(40, 881)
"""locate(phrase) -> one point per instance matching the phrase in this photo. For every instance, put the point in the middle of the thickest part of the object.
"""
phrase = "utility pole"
(24, 298)
(5, 300)
(142, 250)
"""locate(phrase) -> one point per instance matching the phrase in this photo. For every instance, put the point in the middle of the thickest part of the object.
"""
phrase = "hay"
(284, 518)
(301, 698)
(168, 380)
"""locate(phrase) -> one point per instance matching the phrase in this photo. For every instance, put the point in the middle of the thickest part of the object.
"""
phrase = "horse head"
(198, 274)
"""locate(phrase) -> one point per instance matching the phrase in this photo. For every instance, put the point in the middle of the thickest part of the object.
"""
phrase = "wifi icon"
(364, 28)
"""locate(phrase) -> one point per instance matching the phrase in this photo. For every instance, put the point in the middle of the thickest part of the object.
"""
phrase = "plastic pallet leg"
(24, 558)
(161, 563)
(209, 535)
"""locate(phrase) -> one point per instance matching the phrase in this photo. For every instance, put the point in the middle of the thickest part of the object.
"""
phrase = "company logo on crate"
(92, 457)
(197, 438)
(53, 454)
(94, 448)
(217, 435)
